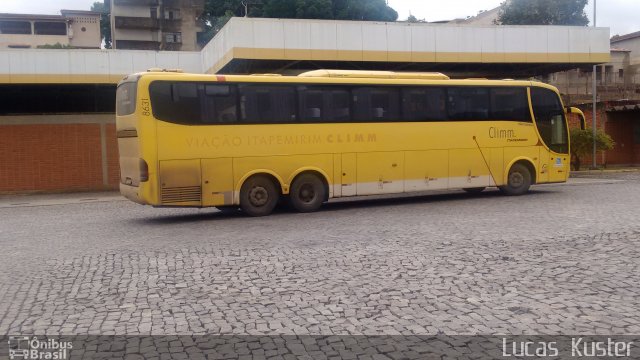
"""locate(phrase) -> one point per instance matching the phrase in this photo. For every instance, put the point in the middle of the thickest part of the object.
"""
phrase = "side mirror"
(573, 110)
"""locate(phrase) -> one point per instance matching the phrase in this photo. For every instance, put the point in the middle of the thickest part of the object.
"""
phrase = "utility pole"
(595, 97)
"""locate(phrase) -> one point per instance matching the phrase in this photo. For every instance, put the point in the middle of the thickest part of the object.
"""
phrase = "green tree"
(296, 9)
(582, 144)
(218, 12)
(105, 20)
(374, 10)
(543, 12)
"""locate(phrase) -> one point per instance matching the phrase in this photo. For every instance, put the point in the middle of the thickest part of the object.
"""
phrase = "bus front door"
(553, 167)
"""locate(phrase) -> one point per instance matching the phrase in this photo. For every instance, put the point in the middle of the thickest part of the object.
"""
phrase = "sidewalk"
(26, 200)
(587, 171)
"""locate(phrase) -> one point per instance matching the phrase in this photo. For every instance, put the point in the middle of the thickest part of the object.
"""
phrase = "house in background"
(618, 98)
(487, 17)
(156, 24)
(73, 28)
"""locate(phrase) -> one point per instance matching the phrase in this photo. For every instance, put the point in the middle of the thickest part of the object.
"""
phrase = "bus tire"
(474, 190)
(518, 181)
(258, 196)
(307, 193)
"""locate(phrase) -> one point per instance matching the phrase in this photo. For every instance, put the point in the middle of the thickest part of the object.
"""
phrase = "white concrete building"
(156, 24)
(73, 28)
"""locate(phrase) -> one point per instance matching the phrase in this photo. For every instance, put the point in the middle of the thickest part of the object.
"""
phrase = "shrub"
(582, 144)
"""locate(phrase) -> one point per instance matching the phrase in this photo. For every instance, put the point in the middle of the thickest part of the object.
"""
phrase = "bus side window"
(311, 104)
(267, 104)
(510, 103)
(323, 104)
(376, 104)
(186, 102)
(218, 104)
(175, 102)
(468, 103)
(423, 104)
(339, 105)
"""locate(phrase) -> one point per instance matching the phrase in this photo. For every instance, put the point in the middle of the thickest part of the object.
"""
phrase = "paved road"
(563, 260)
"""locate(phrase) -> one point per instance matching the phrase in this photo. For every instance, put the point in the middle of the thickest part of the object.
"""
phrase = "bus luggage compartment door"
(180, 182)
(468, 168)
(380, 173)
(217, 182)
(426, 170)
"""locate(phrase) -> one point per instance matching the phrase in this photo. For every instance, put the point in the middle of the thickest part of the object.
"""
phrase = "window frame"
(300, 93)
(562, 148)
(295, 105)
(401, 89)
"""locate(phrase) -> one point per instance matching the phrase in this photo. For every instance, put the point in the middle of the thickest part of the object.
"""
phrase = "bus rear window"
(126, 98)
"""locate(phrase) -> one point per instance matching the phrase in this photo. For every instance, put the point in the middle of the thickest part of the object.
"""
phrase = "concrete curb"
(604, 171)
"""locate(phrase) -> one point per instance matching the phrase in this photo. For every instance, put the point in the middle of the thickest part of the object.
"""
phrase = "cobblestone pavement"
(564, 259)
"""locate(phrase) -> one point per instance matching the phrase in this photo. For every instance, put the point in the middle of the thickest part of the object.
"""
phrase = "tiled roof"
(632, 35)
(628, 107)
(30, 16)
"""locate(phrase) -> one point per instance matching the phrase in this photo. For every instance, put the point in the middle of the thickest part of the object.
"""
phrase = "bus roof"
(340, 77)
(367, 74)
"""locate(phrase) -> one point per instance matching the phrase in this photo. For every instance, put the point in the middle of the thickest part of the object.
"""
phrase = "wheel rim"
(516, 179)
(307, 193)
(258, 196)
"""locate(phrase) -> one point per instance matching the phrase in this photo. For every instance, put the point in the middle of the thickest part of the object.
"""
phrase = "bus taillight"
(144, 171)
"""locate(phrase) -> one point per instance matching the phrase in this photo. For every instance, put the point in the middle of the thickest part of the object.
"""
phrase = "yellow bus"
(252, 141)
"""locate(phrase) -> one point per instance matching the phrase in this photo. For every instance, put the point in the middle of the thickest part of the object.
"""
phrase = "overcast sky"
(622, 16)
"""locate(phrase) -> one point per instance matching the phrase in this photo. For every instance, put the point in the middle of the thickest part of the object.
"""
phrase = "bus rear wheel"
(258, 196)
(307, 193)
(518, 181)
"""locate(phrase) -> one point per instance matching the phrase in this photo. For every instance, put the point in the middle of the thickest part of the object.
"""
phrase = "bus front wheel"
(258, 196)
(307, 193)
(518, 181)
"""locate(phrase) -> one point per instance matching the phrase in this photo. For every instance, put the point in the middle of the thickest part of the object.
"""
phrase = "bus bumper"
(131, 193)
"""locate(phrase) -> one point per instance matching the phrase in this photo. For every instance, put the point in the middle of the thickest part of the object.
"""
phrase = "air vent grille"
(181, 194)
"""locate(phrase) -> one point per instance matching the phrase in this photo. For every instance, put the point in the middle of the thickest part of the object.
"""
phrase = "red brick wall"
(53, 157)
(67, 157)
(619, 125)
